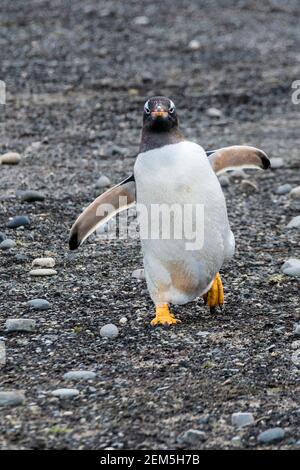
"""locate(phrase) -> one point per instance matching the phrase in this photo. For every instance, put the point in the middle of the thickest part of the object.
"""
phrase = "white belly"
(180, 174)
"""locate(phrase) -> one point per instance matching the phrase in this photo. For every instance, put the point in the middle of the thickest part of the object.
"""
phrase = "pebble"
(193, 437)
(2, 353)
(236, 441)
(194, 45)
(294, 223)
(21, 258)
(276, 162)
(271, 435)
(7, 244)
(109, 331)
(224, 181)
(10, 158)
(138, 274)
(284, 189)
(11, 398)
(2, 237)
(249, 186)
(123, 321)
(241, 419)
(291, 267)
(42, 272)
(297, 330)
(18, 221)
(65, 392)
(295, 193)
(214, 112)
(296, 344)
(39, 304)
(102, 182)
(30, 196)
(141, 20)
(20, 324)
(79, 375)
(44, 262)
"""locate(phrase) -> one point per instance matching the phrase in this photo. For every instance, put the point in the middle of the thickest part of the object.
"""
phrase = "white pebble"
(277, 162)
(291, 267)
(65, 392)
(20, 324)
(2, 353)
(141, 20)
(138, 274)
(79, 375)
(44, 262)
(123, 321)
(102, 182)
(42, 272)
(294, 223)
(10, 158)
(109, 331)
(194, 45)
(295, 193)
(297, 330)
(214, 112)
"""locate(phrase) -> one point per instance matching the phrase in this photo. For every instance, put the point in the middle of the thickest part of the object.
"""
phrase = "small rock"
(44, 262)
(7, 244)
(276, 162)
(103, 182)
(295, 193)
(193, 437)
(2, 237)
(39, 304)
(297, 330)
(109, 331)
(2, 353)
(123, 321)
(20, 324)
(65, 392)
(21, 258)
(10, 158)
(242, 419)
(236, 441)
(284, 189)
(194, 45)
(214, 113)
(249, 186)
(18, 221)
(224, 181)
(42, 272)
(79, 375)
(296, 344)
(138, 274)
(294, 223)
(141, 20)
(30, 196)
(291, 267)
(12, 398)
(271, 435)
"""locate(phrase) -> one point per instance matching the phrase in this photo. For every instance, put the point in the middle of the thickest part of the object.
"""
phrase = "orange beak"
(159, 114)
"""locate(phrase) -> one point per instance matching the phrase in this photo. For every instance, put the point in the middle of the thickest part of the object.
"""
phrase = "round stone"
(297, 330)
(109, 331)
(7, 244)
(241, 419)
(103, 182)
(276, 162)
(10, 158)
(79, 375)
(39, 304)
(30, 196)
(42, 272)
(123, 321)
(271, 435)
(44, 262)
(11, 398)
(284, 189)
(194, 45)
(20, 324)
(18, 221)
(65, 393)
(295, 193)
(214, 113)
(138, 274)
(291, 267)
(193, 437)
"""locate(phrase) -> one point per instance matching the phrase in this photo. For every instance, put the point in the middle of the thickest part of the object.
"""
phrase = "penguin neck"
(153, 139)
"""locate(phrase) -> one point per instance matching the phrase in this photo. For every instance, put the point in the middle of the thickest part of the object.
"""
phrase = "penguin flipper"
(104, 207)
(237, 156)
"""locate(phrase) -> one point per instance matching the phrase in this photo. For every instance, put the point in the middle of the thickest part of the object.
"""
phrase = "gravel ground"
(77, 75)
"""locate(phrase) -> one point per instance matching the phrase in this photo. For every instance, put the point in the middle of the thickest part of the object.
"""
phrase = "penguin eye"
(146, 108)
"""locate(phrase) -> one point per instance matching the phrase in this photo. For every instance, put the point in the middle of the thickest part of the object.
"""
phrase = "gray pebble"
(30, 196)
(277, 162)
(138, 274)
(284, 189)
(296, 344)
(20, 324)
(65, 392)
(297, 330)
(12, 398)
(294, 223)
(193, 437)
(7, 244)
(21, 258)
(42, 272)
(2, 353)
(240, 419)
(291, 267)
(271, 435)
(79, 375)
(103, 182)
(39, 304)
(295, 193)
(18, 221)
(141, 20)
(214, 112)
(109, 331)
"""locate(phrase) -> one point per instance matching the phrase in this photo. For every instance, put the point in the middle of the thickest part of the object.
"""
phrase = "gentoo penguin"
(171, 171)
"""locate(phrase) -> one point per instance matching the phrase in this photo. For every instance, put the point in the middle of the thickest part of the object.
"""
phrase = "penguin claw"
(164, 317)
(215, 296)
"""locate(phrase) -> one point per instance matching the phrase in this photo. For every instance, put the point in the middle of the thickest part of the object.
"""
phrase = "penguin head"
(160, 114)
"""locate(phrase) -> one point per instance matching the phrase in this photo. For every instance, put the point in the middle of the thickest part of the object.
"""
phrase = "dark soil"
(77, 74)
